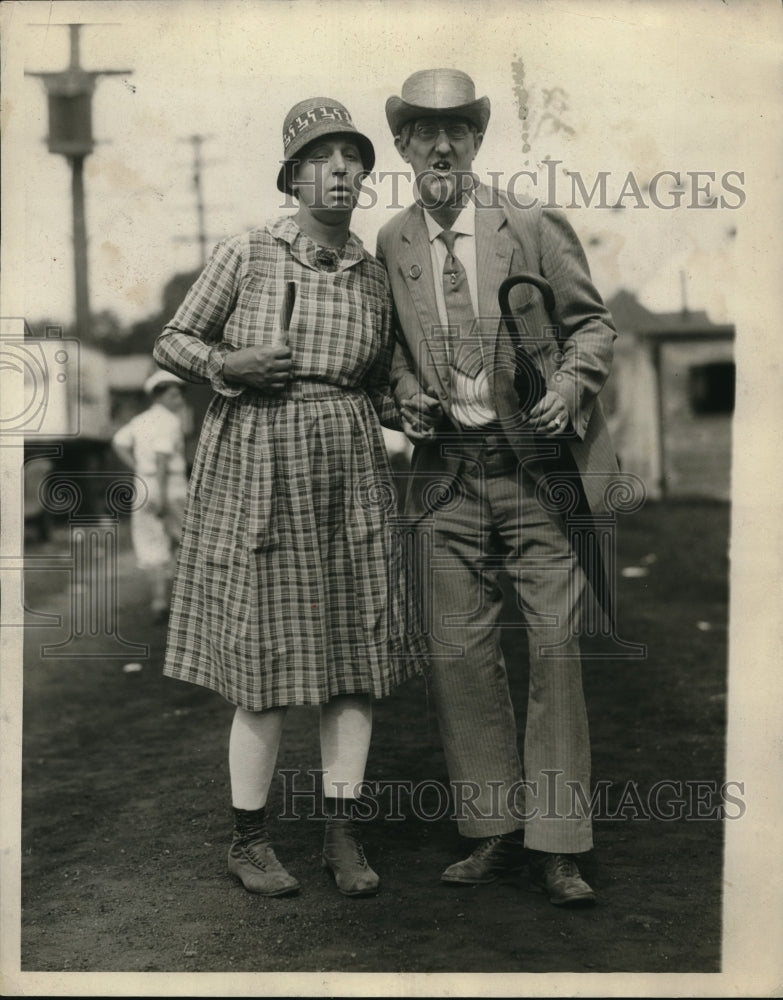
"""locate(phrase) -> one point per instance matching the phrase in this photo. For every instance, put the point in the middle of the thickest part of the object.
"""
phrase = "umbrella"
(530, 386)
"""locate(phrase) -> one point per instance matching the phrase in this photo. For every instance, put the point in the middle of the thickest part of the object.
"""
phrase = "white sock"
(252, 755)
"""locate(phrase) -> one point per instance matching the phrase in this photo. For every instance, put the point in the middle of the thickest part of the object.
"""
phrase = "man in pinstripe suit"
(476, 483)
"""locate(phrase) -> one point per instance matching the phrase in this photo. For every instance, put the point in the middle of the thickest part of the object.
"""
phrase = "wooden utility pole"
(69, 95)
(197, 141)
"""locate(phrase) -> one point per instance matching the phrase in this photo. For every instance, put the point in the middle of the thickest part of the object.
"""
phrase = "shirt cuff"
(215, 372)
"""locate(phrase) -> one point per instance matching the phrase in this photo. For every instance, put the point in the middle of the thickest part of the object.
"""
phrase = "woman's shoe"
(254, 863)
(344, 857)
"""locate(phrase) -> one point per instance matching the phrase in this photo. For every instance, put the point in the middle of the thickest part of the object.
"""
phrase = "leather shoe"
(493, 858)
(254, 863)
(558, 876)
(343, 856)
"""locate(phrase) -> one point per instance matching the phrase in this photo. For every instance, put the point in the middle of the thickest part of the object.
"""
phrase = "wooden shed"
(670, 399)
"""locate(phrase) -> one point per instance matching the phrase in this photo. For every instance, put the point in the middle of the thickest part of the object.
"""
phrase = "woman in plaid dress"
(288, 591)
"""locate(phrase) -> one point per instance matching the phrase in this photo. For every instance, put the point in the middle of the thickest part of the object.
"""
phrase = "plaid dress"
(290, 587)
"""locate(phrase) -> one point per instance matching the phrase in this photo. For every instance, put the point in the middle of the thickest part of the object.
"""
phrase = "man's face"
(441, 151)
(328, 176)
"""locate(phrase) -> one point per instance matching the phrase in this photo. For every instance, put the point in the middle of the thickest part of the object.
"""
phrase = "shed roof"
(631, 316)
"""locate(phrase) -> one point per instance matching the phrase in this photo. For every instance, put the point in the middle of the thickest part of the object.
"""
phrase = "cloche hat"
(312, 119)
(437, 92)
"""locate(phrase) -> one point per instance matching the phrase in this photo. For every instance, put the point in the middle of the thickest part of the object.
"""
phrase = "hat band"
(315, 116)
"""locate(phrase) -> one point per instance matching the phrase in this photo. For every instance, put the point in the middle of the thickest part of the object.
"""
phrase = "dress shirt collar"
(464, 224)
(304, 249)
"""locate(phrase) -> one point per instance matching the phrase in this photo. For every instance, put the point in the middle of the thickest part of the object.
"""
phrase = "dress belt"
(303, 388)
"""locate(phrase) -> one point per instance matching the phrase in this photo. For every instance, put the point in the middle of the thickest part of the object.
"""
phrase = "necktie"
(465, 344)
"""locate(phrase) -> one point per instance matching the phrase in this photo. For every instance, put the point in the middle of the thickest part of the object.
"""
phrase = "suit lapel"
(494, 250)
(494, 255)
(416, 267)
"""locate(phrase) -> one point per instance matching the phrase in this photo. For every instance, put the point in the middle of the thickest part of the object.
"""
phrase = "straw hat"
(437, 92)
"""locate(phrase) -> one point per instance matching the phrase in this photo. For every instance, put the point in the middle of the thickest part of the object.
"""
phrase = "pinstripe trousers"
(494, 521)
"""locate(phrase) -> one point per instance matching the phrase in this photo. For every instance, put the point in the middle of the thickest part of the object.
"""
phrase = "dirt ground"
(126, 817)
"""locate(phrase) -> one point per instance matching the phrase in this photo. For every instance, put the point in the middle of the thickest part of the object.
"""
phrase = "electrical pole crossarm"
(69, 94)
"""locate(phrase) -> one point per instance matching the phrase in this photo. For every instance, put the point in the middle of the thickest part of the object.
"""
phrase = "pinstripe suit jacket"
(573, 346)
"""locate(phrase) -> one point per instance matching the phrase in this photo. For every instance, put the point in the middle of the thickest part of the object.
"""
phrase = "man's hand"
(421, 414)
(549, 416)
(267, 368)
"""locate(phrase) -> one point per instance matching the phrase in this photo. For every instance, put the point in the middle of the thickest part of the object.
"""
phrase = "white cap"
(161, 378)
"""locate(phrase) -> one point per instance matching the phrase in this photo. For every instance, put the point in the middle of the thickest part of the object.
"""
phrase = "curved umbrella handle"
(529, 382)
(525, 279)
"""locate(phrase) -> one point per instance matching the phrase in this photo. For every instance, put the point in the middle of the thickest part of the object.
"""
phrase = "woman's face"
(328, 176)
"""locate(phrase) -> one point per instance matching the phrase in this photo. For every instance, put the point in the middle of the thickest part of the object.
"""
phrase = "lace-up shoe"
(558, 876)
(493, 858)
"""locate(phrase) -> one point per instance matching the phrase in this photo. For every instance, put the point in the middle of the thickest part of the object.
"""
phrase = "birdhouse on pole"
(70, 112)
(69, 93)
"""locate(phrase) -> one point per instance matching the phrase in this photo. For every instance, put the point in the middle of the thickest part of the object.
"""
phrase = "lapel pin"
(415, 271)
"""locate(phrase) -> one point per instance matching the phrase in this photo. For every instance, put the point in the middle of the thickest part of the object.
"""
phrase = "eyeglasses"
(429, 130)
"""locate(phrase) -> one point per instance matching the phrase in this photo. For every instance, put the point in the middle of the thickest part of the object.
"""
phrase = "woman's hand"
(267, 368)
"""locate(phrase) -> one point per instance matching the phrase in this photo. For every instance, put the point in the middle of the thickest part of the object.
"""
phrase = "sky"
(632, 88)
